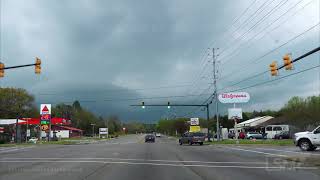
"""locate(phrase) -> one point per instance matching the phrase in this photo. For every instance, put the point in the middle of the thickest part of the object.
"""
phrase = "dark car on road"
(282, 135)
(192, 138)
(149, 138)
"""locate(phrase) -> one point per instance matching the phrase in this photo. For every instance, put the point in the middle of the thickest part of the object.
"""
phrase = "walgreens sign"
(235, 97)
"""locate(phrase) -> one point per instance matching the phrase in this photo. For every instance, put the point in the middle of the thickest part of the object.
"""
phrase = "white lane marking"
(147, 160)
(7, 148)
(287, 151)
(165, 164)
(253, 151)
(14, 149)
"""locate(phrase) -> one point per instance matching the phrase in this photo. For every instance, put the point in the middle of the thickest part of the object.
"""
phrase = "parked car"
(308, 141)
(254, 135)
(231, 135)
(192, 138)
(282, 135)
(272, 130)
(149, 138)
(158, 135)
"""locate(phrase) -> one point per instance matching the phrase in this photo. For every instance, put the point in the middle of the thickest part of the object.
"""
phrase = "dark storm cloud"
(95, 51)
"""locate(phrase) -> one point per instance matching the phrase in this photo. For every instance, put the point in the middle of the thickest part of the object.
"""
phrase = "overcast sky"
(104, 52)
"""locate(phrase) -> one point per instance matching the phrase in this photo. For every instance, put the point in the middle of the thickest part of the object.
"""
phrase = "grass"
(284, 142)
(62, 142)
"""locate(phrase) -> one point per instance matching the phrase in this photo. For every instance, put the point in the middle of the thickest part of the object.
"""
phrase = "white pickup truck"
(308, 141)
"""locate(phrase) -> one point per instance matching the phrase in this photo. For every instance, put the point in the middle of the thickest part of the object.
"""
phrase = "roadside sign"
(195, 129)
(235, 97)
(1, 129)
(28, 132)
(45, 118)
(194, 121)
(103, 131)
(235, 113)
(45, 109)
(44, 127)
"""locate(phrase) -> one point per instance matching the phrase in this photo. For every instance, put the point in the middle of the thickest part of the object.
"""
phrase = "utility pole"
(208, 118)
(215, 91)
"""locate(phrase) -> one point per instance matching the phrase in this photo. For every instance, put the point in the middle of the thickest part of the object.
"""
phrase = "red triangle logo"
(45, 109)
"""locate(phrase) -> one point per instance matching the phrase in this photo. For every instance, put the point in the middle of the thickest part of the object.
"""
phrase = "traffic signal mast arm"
(288, 62)
(302, 56)
(37, 67)
(194, 105)
(20, 66)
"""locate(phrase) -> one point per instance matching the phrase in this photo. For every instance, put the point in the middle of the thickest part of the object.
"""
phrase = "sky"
(112, 54)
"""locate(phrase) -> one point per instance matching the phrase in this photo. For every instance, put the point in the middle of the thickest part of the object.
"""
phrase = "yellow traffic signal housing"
(38, 66)
(287, 61)
(1, 70)
(274, 68)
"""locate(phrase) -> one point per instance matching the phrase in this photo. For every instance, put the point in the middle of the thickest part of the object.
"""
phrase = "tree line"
(300, 113)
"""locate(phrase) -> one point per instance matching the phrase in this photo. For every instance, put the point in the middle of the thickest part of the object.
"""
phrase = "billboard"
(235, 113)
(194, 121)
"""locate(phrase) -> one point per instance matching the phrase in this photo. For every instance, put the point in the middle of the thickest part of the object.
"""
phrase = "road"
(130, 158)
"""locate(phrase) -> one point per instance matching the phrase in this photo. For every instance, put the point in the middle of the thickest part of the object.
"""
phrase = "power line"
(258, 22)
(236, 19)
(251, 17)
(203, 63)
(269, 52)
(265, 82)
(263, 29)
(264, 72)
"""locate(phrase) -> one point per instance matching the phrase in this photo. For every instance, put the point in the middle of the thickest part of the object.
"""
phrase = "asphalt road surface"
(129, 158)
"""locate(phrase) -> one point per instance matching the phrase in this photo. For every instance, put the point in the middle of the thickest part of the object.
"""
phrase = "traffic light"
(1, 70)
(169, 105)
(274, 68)
(287, 61)
(38, 66)
(143, 105)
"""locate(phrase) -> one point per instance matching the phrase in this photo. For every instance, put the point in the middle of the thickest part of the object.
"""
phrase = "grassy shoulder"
(66, 141)
(284, 142)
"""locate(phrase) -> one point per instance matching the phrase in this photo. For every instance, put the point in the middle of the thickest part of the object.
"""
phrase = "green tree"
(16, 103)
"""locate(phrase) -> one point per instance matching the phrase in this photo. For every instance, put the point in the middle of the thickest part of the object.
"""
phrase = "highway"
(129, 158)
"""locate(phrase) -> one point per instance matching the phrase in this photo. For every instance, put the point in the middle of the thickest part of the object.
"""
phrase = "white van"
(272, 130)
